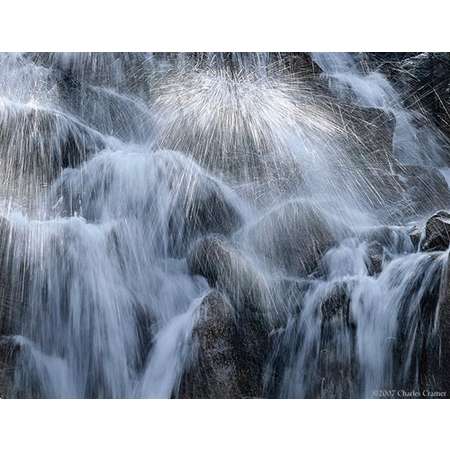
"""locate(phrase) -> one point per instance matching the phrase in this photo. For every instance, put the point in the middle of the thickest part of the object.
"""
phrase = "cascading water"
(141, 190)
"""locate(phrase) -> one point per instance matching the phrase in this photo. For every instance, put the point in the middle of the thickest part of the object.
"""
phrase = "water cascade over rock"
(222, 226)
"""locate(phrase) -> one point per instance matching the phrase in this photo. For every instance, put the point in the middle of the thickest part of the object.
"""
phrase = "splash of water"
(115, 166)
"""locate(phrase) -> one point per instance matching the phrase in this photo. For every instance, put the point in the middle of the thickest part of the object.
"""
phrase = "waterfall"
(203, 225)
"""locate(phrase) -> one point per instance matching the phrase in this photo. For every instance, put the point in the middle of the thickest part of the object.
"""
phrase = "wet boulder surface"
(437, 232)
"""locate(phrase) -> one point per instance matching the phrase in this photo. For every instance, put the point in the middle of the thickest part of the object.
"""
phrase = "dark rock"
(440, 366)
(229, 354)
(426, 77)
(37, 144)
(14, 277)
(106, 111)
(208, 211)
(437, 232)
(214, 373)
(294, 237)
(226, 269)
(9, 349)
(336, 303)
(415, 235)
(369, 135)
(426, 189)
(376, 256)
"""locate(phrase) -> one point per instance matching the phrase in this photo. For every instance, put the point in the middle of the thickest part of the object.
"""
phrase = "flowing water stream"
(114, 165)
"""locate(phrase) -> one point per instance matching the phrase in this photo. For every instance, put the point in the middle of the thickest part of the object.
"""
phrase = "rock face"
(437, 232)
(229, 354)
(442, 376)
(369, 135)
(426, 77)
(14, 278)
(226, 269)
(37, 144)
(246, 330)
(8, 353)
(425, 188)
(294, 237)
(208, 211)
(215, 371)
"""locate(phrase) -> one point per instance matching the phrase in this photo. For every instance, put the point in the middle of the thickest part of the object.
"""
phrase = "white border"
(215, 424)
(224, 25)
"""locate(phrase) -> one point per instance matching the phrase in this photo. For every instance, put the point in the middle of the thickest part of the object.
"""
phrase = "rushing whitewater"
(216, 225)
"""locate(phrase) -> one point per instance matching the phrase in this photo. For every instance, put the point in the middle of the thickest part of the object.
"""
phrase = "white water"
(111, 305)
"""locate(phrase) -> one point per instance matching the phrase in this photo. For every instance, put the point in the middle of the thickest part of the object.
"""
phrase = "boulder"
(227, 269)
(37, 144)
(214, 372)
(229, 356)
(442, 366)
(108, 112)
(425, 187)
(368, 135)
(208, 211)
(170, 193)
(14, 277)
(294, 237)
(426, 77)
(336, 302)
(14, 284)
(437, 232)
(9, 349)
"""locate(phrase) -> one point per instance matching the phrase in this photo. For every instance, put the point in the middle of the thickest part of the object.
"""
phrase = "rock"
(108, 112)
(336, 303)
(208, 211)
(294, 237)
(437, 232)
(14, 284)
(426, 189)
(214, 373)
(368, 134)
(169, 192)
(9, 349)
(37, 144)
(14, 277)
(441, 375)
(230, 356)
(228, 270)
(426, 76)
(415, 235)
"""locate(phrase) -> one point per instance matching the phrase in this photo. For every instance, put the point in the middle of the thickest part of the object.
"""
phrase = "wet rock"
(14, 286)
(369, 135)
(14, 277)
(336, 303)
(294, 237)
(168, 191)
(434, 362)
(437, 232)
(37, 144)
(382, 243)
(425, 77)
(443, 369)
(425, 187)
(108, 112)
(415, 235)
(229, 354)
(214, 373)
(9, 349)
(225, 268)
(208, 211)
